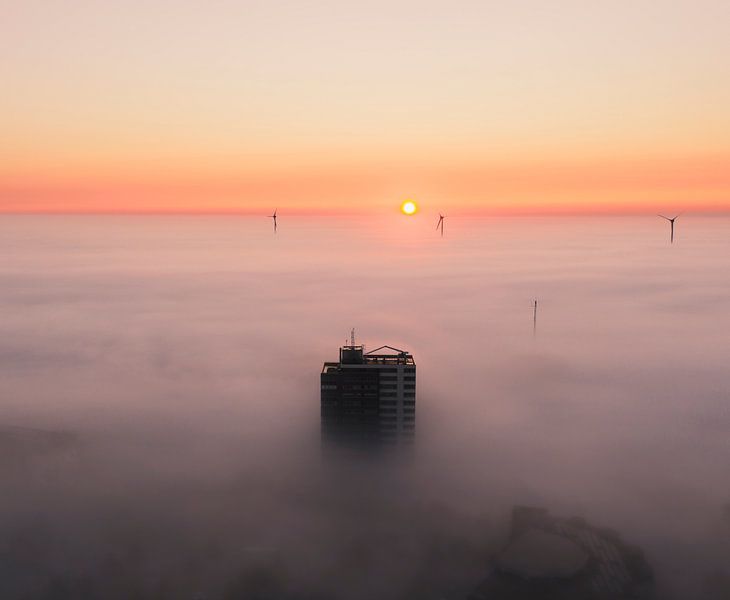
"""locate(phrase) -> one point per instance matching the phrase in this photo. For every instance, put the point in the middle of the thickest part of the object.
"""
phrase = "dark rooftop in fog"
(356, 355)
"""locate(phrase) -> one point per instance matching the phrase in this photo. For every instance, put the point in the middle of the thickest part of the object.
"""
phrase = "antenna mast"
(352, 337)
(534, 318)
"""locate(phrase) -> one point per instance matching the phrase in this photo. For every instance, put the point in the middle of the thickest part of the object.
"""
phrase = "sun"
(409, 207)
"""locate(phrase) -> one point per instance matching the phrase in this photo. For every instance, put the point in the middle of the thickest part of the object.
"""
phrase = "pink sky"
(351, 107)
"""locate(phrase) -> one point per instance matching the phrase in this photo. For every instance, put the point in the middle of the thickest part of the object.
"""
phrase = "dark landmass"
(551, 558)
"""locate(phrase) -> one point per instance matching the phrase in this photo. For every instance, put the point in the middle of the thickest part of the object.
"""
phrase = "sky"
(351, 107)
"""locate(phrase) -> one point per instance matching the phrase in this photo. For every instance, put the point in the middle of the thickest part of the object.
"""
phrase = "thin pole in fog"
(534, 318)
(671, 226)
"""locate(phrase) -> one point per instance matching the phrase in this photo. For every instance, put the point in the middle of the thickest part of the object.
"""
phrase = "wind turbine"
(274, 217)
(441, 224)
(671, 224)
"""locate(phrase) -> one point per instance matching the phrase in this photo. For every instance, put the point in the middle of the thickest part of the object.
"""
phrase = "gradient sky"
(341, 106)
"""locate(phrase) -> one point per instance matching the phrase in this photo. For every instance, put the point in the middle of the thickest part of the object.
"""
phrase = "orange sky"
(350, 107)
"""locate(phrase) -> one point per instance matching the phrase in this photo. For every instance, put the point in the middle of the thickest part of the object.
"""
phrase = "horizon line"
(370, 213)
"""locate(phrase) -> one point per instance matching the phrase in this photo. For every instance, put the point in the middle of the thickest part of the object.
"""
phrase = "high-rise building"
(369, 396)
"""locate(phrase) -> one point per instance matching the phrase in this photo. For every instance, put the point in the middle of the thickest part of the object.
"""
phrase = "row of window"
(393, 427)
(393, 386)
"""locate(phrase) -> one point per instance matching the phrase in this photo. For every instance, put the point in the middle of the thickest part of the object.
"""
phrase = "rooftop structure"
(356, 355)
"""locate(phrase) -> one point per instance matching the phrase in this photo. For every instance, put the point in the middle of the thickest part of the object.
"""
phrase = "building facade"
(369, 397)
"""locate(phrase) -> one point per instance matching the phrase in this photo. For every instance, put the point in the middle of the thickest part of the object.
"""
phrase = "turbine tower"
(671, 226)
(274, 217)
(440, 224)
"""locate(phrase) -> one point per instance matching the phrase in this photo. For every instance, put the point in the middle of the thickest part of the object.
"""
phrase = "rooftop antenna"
(671, 224)
(274, 217)
(440, 224)
(534, 318)
(352, 337)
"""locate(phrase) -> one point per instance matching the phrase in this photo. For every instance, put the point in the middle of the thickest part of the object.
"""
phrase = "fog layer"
(175, 362)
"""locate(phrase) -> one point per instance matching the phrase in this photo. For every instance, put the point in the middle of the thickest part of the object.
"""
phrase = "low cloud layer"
(180, 358)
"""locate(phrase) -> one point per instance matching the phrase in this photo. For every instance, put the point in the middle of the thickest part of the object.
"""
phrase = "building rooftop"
(355, 355)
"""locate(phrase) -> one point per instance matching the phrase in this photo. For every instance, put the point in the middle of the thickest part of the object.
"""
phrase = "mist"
(159, 401)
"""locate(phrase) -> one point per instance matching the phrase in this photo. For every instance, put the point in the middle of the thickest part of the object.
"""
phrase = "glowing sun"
(409, 207)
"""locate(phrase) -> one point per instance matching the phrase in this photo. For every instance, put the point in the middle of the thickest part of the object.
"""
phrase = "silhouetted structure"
(369, 397)
(671, 225)
(274, 217)
(440, 224)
